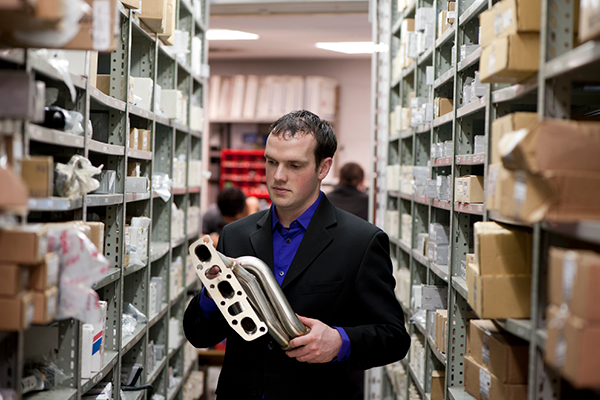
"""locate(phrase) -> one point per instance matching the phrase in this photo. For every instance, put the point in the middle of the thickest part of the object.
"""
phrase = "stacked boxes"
(573, 316)
(510, 41)
(468, 189)
(589, 20)
(437, 244)
(501, 270)
(496, 363)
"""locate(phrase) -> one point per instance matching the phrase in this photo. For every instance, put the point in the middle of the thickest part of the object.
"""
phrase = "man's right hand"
(211, 274)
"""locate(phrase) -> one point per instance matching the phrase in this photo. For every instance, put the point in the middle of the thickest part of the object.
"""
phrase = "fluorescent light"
(227, 34)
(352, 47)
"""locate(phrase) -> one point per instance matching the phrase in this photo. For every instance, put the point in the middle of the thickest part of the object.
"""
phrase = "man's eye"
(295, 166)
(270, 162)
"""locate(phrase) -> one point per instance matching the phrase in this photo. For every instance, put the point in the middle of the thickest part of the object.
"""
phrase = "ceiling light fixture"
(352, 47)
(228, 34)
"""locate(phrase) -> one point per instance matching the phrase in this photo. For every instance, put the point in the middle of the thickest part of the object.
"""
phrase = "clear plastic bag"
(131, 317)
(76, 178)
(161, 184)
(80, 266)
(41, 373)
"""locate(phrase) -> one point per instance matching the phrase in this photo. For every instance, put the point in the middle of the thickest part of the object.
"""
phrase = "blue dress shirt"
(285, 245)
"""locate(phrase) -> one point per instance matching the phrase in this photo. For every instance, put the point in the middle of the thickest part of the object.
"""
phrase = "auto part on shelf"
(247, 294)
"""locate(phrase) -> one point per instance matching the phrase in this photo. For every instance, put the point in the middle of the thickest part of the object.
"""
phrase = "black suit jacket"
(342, 276)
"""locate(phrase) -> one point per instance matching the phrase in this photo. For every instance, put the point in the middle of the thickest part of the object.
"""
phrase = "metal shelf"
(425, 55)
(440, 270)
(194, 189)
(471, 159)
(99, 200)
(470, 208)
(157, 317)
(422, 200)
(438, 354)
(140, 112)
(158, 250)
(542, 337)
(457, 393)
(514, 92)
(460, 285)
(196, 134)
(420, 258)
(139, 154)
(588, 231)
(128, 341)
(41, 65)
(54, 203)
(130, 197)
(179, 191)
(15, 56)
(444, 119)
(445, 78)
(407, 133)
(442, 204)
(494, 215)
(423, 128)
(57, 393)
(51, 136)
(178, 242)
(471, 108)
(105, 148)
(179, 126)
(106, 101)
(156, 371)
(172, 392)
(518, 327)
(130, 269)
(111, 276)
(569, 63)
(470, 60)
(163, 121)
(409, 70)
(418, 383)
(471, 12)
(442, 162)
(110, 360)
(405, 196)
(446, 36)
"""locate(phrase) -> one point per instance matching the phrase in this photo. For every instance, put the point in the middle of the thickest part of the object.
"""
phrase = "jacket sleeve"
(203, 331)
(381, 337)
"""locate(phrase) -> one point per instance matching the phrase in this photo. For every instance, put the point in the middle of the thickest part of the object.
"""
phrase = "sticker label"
(101, 25)
(485, 382)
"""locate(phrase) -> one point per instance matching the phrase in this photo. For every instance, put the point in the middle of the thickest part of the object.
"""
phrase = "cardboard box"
(32, 16)
(485, 290)
(510, 59)
(574, 279)
(97, 234)
(482, 385)
(571, 347)
(15, 279)
(142, 93)
(14, 190)
(103, 83)
(136, 185)
(472, 189)
(45, 304)
(153, 14)
(16, 313)
(144, 139)
(44, 274)
(38, 174)
(133, 4)
(503, 355)
(554, 145)
(134, 138)
(507, 17)
(589, 20)
(576, 195)
(500, 250)
(442, 106)
(168, 35)
(437, 385)
(133, 168)
(26, 244)
(509, 123)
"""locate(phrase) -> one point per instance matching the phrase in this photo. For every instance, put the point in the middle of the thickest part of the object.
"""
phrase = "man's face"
(293, 180)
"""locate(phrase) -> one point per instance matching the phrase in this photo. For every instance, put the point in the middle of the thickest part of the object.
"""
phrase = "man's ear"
(325, 167)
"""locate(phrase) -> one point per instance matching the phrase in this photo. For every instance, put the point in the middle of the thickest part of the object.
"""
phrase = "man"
(348, 195)
(333, 267)
(232, 204)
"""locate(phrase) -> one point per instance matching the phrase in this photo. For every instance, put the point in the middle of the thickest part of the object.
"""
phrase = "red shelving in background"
(244, 169)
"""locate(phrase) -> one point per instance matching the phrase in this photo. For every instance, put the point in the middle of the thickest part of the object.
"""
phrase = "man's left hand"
(320, 345)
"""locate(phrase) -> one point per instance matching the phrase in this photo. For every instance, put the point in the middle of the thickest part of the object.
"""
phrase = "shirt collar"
(304, 219)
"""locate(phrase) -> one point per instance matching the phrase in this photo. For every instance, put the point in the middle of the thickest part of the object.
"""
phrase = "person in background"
(333, 267)
(349, 195)
(232, 204)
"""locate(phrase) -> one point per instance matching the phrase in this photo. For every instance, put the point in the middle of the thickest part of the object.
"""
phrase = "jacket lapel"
(262, 240)
(315, 240)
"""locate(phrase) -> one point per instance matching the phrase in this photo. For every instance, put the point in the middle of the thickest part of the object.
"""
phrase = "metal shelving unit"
(139, 53)
(553, 92)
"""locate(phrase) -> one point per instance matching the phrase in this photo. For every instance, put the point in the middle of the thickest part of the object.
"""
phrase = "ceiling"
(288, 29)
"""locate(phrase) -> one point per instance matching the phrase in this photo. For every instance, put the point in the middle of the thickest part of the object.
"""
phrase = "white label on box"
(520, 189)
(450, 15)
(485, 347)
(485, 382)
(492, 61)
(561, 351)
(51, 307)
(569, 274)
(507, 18)
(101, 25)
(497, 24)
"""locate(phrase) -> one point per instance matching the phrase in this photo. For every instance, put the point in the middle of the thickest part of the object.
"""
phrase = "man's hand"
(320, 345)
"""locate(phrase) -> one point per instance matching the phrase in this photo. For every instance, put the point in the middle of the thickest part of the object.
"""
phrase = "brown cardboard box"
(572, 347)
(44, 274)
(14, 190)
(97, 234)
(14, 279)
(32, 16)
(437, 385)
(503, 354)
(509, 123)
(144, 139)
(16, 313)
(103, 83)
(521, 195)
(38, 174)
(133, 168)
(442, 106)
(554, 145)
(45, 304)
(153, 14)
(577, 195)
(485, 290)
(482, 385)
(25, 244)
(500, 250)
(168, 36)
(133, 4)
(574, 279)
(510, 59)
(472, 189)
(589, 20)
(507, 17)
(134, 138)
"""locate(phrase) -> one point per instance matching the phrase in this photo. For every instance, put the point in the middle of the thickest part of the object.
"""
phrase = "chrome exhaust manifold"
(247, 294)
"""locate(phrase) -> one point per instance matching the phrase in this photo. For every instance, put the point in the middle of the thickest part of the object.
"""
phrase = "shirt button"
(281, 273)
(288, 240)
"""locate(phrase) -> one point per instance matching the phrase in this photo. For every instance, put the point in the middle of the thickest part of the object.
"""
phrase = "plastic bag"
(131, 317)
(76, 178)
(41, 374)
(161, 184)
(80, 266)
